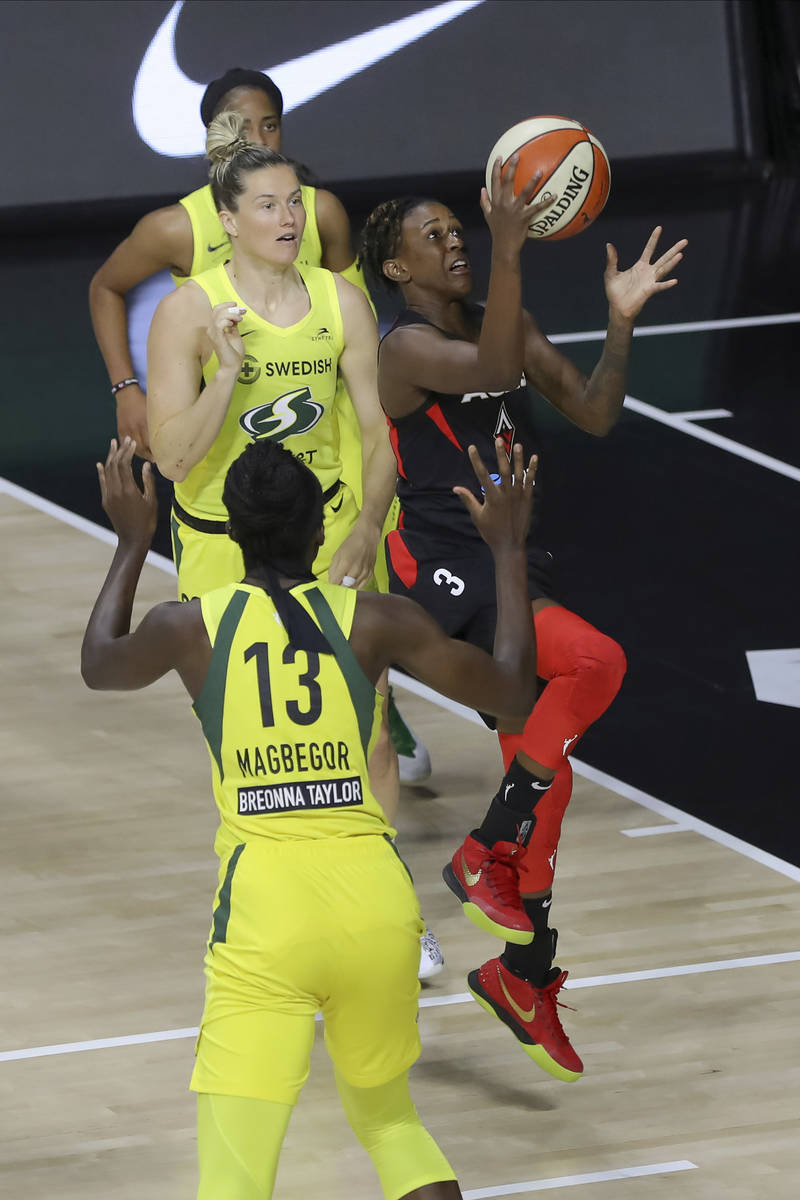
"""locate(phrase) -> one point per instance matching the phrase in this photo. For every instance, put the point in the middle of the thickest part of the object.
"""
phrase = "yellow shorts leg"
(238, 1146)
(204, 561)
(387, 1125)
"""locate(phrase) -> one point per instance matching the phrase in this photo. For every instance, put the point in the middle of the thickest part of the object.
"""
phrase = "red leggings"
(584, 670)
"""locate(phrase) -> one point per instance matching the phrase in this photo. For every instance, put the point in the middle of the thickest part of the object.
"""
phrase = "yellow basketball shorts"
(206, 558)
(330, 926)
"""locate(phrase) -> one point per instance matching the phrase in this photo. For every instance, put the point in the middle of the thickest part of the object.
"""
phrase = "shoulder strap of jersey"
(362, 692)
(321, 287)
(311, 242)
(210, 703)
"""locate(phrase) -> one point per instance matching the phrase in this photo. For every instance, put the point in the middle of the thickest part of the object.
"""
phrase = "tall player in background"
(314, 911)
(187, 239)
(451, 374)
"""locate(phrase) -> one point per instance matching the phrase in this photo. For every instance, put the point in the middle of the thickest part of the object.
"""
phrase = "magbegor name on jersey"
(294, 797)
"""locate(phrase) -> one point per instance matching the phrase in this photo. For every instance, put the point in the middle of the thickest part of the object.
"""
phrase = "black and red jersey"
(430, 445)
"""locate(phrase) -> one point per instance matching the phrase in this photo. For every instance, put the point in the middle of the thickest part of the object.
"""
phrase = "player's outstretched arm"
(358, 364)
(392, 629)
(111, 656)
(595, 404)
(161, 239)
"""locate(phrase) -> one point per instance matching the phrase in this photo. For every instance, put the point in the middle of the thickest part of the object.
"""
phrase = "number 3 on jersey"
(455, 584)
(307, 679)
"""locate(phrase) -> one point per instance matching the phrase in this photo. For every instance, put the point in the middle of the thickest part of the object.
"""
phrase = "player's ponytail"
(274, 505)
(232, 158)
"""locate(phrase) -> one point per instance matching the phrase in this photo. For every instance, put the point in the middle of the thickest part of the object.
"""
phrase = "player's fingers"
(531, 187)
(112, 450)
(652, 242)
(468, 500)
(517, 478)
(546, 200)
(509, 175)
(127, 451)
(612, 258)
(529, 478)
(673, 250)
(667, 283)
(477, 465)
(101, 477)
(497, 176)
(503, 464)
(486, 204)
(149, 482)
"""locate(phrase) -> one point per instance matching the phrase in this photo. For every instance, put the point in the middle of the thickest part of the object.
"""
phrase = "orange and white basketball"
(575, 172)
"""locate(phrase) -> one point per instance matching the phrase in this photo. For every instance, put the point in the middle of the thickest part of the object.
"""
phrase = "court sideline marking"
(589, 981)
(597, 335)
(676, 816)
(546, 1185)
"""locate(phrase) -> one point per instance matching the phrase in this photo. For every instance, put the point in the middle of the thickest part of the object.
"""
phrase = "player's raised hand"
(504, 517)
(223, 333)
(628, 291)
(509, 216)
(132, 513)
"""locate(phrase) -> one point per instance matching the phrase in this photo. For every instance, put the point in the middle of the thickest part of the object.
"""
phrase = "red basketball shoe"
(531, 1015)
(487, 884)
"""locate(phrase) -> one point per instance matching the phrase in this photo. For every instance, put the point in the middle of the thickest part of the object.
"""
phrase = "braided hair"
(274, 505)
(382, 233)
(232, 157)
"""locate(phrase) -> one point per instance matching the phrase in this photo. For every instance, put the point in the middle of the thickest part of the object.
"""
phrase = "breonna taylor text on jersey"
(430, 445)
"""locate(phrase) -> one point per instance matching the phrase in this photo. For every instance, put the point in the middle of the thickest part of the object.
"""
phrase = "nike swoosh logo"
(211, 249)
(166, 103)
(247, 333)
(540, 787)
(521, 1013)
(470, 878)
(335, 508)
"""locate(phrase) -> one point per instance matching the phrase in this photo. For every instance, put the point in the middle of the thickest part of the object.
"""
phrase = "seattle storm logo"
(290, 414)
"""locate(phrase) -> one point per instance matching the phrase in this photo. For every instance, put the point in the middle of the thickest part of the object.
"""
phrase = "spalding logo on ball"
(575, 172)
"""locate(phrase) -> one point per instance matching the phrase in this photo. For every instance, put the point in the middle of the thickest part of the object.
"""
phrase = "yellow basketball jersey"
(212, 246)
(289, 732)
(286, 390)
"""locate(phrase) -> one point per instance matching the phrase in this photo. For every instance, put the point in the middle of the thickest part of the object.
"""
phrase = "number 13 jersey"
(289, 731)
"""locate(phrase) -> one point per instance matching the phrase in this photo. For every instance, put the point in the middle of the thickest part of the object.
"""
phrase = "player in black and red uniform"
(453, 375)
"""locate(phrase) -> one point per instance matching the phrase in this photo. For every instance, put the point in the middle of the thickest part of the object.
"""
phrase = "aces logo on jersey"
(505, 429)
(288, 415)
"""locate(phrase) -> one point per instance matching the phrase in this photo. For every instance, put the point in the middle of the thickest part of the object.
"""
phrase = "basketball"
(575, 171)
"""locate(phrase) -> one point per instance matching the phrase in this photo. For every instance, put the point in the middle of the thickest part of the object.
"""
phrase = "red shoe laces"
(503, 882)
(551, 1003)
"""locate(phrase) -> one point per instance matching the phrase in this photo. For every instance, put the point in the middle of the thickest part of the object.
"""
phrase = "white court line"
(72, 519)
(134, 1039)
(675, 815)
(563, 1181)
(704, 414)
(653, 830)
(170, 1035)
(597, 335)
(679, 422)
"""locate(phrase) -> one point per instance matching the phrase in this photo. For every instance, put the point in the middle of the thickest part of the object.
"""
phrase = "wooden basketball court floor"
(682, 945)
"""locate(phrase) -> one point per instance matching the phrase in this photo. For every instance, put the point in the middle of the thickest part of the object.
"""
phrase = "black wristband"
(123, 383)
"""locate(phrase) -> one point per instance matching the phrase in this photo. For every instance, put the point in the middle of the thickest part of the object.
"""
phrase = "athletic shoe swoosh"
(523, 1014)
(166, 103)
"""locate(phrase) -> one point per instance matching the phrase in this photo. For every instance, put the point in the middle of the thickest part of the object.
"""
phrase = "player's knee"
(602, 661)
